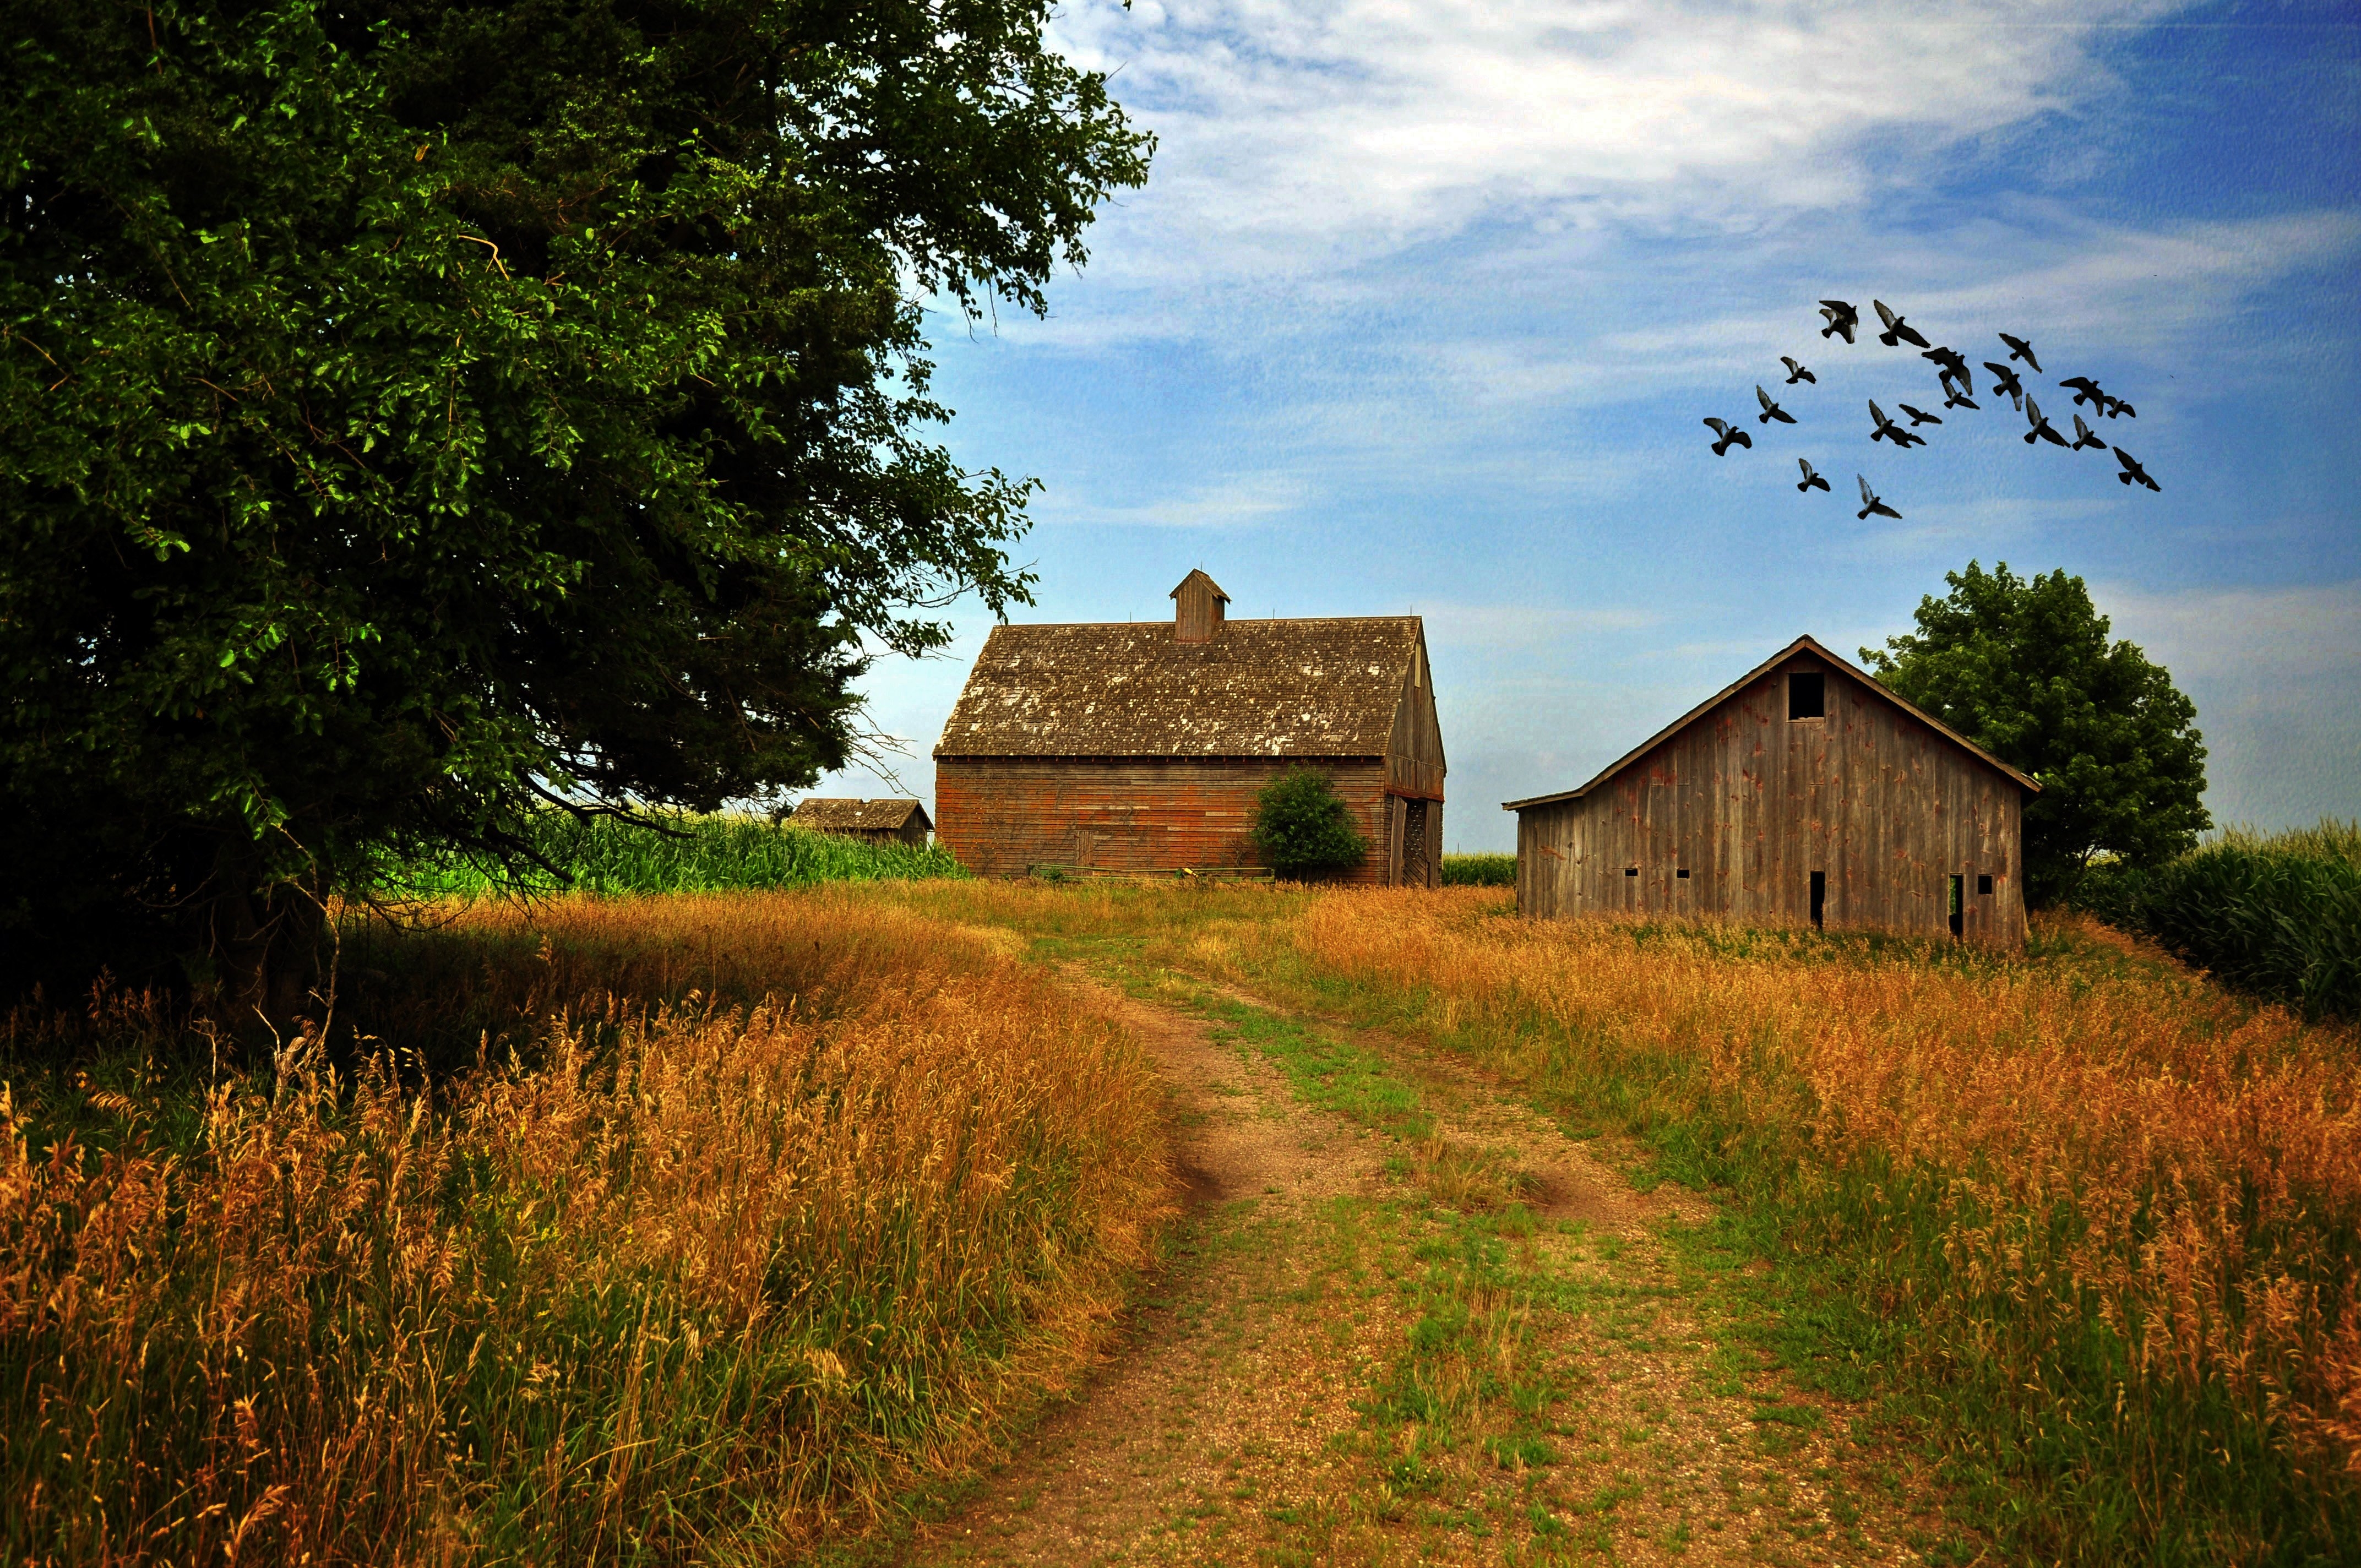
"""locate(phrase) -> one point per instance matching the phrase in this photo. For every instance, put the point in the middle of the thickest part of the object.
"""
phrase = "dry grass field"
(678, 1277)
(2111, 1213)
(706, 1227)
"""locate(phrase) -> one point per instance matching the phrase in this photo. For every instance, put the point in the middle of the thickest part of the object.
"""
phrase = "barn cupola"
(1197, 609)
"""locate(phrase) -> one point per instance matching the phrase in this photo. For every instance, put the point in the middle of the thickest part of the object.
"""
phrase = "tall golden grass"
(2120, 1209)
(690, 1279)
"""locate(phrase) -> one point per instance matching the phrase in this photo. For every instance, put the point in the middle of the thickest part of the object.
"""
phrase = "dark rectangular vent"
(1683, 873)
(1631, 870)
(1807, 695)
(1984, 884)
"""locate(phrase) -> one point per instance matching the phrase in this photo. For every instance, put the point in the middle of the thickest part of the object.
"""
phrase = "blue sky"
(1423, 303)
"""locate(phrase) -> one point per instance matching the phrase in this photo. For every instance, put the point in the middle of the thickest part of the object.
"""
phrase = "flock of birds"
(1954, 379)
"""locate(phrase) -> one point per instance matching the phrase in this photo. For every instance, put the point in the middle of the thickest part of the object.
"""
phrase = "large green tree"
(422, 409)
(2026, 670)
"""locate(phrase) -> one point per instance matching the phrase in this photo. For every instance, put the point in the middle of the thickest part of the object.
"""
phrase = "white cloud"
(1295, 134)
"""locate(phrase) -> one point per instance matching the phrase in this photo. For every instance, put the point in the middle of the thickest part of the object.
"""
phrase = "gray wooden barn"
(1806, 792)
(1120, 748)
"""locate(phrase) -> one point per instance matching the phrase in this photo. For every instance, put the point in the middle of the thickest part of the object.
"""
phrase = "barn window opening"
(1807, 695)
(1683, 873)
(1984, 884)
(1819, 899)
(1959, 905)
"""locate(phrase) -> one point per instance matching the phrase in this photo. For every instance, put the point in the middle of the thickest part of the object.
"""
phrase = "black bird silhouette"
(1797, 373)
(2086, 391)
(1888, 431)
(1954, 368)
(2132, 473)
(2005, 380)
(1771, 411)
(1897, 331)
(1959, 401)
(1730, 436)
(1842, 319)
(1920, 416)
(1811, 480)
(2117, 406)
(1869, 503)
(2018, 348)
(2041, 430)
(2085, 436)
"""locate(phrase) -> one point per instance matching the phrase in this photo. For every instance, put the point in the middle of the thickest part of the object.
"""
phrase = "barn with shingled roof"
(1129, 748)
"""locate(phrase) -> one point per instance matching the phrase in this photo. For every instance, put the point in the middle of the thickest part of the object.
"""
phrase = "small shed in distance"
(1805, 793)
(1123, 749)
(879, 821)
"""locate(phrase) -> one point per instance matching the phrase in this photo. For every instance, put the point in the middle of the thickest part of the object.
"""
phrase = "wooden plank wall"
(1750, 803)
(1001, 816)
(1414, 765)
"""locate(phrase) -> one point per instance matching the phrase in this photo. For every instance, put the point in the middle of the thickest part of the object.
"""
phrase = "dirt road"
(1411, 1319)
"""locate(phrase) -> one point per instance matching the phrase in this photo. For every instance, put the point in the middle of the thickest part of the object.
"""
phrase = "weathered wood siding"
(1001, 816)
(1750, 803)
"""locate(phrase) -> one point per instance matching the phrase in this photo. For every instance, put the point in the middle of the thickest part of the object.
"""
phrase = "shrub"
(1302, 827)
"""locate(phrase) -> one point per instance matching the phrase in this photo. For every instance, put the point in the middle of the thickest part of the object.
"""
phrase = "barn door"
(1416, 871)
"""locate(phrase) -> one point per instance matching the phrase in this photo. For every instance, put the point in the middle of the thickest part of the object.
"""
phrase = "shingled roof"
(853, 816)
(1260, 688)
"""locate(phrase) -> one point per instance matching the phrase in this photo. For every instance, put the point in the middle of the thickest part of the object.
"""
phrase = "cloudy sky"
(1424, 300)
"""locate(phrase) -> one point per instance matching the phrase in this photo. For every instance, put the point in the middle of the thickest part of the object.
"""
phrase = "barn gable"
(1801, 645)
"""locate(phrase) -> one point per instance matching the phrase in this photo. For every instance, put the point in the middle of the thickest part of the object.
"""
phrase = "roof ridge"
(1800, 644)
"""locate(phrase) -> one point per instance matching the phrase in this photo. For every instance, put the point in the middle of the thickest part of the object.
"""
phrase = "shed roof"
(856, 816)
(1800, 645)
(1324, 688)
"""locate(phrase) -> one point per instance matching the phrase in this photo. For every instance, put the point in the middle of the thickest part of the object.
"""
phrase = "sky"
(1423, 303)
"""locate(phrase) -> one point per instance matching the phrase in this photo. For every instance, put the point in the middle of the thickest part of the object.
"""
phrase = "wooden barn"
(1129, 748)
(1805, 793)
(879, 821)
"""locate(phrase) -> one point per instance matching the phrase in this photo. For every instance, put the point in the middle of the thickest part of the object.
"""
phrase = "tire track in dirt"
(1208, 1374)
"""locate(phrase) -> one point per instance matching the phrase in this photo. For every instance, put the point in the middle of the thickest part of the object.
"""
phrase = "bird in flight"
(2132, 473)
(2117, 406)
(1888, 431)
(1959, 400)
(1897, 331)
(2042, 430)
(2085, 436)
(1953, 366)
(1730, 436)
(1842, 319)
(2018, 348)
(1797, 372)
(1771, 411)
(1869, 503)
(2086, 391)
(1920, 416)
(1811, 480)
(2005, 380)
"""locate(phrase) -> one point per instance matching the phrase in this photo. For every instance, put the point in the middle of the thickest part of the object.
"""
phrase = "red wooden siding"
(1001, 815)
